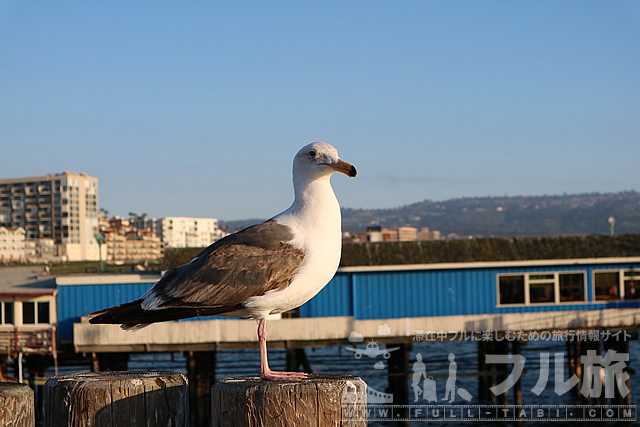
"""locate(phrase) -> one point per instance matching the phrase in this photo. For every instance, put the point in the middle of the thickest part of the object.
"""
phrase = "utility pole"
(100, 239)
(612, 223)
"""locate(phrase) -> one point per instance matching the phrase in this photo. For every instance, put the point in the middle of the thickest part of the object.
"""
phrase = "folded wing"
(219, 280)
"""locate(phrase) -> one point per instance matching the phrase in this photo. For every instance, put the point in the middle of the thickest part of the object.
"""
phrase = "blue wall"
(446, 292)
(75, 301)
(371, 295)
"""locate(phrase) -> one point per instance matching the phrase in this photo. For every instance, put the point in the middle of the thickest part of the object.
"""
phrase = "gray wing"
(248, 263)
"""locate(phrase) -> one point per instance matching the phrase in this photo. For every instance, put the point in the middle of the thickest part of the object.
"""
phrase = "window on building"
(607, 286)
(28, 313)
(43, 312)
(542, 288)
(572, 287)
(6, 313)
(35, 312)
(632, 285)
(511, 289)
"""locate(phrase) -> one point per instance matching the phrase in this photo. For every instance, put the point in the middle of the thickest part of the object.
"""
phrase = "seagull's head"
(320, 159)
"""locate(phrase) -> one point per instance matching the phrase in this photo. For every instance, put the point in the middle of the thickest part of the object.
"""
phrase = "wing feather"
(248, 263)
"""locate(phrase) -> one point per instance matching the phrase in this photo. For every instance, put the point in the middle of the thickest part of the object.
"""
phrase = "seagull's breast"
(318, 234)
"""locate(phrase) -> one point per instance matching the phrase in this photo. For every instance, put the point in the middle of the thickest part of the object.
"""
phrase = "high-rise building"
(62, 207)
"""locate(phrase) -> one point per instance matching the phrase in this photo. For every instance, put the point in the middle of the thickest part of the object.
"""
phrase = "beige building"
(400, 234)
(12, 245)
(426, 234)
(407, 234)
(184, 232)
(40, 250)
(28, 315)
(62, 207)
(128, 244)
(143, 246)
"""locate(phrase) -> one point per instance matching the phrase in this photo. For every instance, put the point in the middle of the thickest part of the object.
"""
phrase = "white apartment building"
(407, 234)
(400, 234)
(12, 244)
(184, 232)
(62, 207)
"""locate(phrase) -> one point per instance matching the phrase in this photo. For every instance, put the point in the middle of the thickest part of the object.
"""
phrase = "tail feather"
(131, 315)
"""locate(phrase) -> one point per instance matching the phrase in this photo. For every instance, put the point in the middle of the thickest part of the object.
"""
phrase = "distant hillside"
(509, 216)
(502, 216)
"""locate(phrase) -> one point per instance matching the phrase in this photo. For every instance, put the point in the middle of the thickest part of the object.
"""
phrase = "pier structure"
(442, 299)
(456, 300)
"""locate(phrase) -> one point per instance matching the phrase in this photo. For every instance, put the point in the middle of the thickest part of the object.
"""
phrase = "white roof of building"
(26, 280)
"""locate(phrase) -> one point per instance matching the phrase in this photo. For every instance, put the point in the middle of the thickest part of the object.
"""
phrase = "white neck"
(315, 208)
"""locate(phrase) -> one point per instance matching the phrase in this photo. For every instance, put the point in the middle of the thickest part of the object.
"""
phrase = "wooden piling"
(575, 364)
(599, 400)
(16, 405)
(571, 361)
(117, 398)
(624, 348)
(319, 400)
(297, 358)
(517, 388)
(399, 377)
(483, 389)
(492, 372)
(502, 348)
(620, 344)
(201, 372)
(101, 362)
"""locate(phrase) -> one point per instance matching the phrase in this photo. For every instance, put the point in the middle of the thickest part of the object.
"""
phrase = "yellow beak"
(344, 167)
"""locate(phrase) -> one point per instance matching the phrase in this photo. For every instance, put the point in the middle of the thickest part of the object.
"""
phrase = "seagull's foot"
(282, 376)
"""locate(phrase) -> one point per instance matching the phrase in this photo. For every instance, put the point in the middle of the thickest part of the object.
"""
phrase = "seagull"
(265, 269)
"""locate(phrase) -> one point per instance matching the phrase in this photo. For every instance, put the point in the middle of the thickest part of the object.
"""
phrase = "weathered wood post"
(319, 400)
(517, 388)
(16, 405)
(483, 389)
(117, 398)
(624, 348)
(502, 348)
(201, 371)
(398, 373)
(492, 371)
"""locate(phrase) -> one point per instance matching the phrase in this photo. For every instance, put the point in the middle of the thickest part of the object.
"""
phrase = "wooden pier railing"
(27, 341)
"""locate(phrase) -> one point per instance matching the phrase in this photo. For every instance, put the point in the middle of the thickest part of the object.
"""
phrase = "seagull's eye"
(312, 153)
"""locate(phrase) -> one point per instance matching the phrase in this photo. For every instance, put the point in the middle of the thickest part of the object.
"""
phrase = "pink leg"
(265, 372)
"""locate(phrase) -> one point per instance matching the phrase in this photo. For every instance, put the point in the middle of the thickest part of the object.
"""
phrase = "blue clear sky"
(197, 108)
